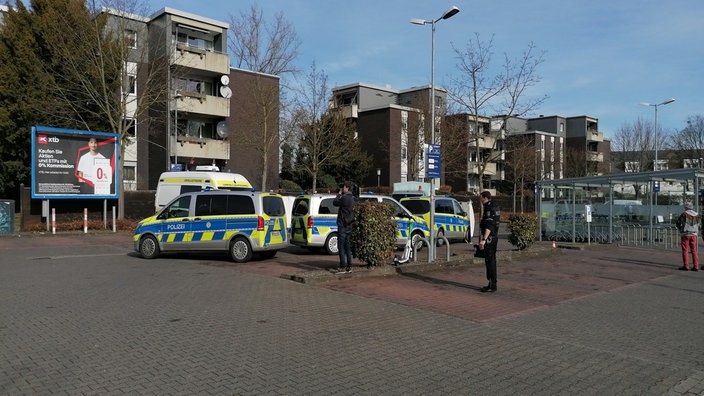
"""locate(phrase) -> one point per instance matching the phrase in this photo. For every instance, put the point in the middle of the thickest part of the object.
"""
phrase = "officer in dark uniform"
(489, 238)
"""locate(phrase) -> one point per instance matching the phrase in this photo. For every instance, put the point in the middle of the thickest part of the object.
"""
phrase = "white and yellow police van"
(314, 222)
(451, 219)
(173, 184)
(239, 222)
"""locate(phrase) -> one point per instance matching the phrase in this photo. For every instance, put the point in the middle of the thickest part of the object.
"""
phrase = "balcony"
(595, 157)
(193, 147)
(209, 105)
(489, 170)
(349, 111)
(201, 59)
(595, 136)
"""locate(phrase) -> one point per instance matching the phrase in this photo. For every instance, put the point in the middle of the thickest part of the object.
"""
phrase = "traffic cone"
(554, 245)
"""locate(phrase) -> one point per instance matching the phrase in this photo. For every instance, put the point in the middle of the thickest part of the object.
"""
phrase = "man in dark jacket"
(345, 218)
(489, 238)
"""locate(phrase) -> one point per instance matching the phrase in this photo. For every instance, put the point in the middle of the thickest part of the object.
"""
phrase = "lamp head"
(449, 13)
(417, 21)
(668, 101)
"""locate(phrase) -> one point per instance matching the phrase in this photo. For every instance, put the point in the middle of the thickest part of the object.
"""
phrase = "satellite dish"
(224, 79)
(225, 92)
(222, 129)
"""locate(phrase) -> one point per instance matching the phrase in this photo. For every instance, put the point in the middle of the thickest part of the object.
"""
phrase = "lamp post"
(447, 14)
(177, 96)
(655, 105)
(378, 177)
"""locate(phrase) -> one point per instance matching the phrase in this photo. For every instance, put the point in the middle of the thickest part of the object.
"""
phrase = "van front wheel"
(149, 247)
(240, 250)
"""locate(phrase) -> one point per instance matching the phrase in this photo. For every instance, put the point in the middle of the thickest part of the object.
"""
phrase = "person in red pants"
(688, 224)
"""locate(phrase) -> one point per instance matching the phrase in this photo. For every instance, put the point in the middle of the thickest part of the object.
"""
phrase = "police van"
(239, 222)
(451, 220)
(314, 222)
(172, 184)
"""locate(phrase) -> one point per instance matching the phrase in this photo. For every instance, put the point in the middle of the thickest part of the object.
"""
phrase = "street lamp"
(177, 96)
(447, 14)
(668, 101)
(378, 177)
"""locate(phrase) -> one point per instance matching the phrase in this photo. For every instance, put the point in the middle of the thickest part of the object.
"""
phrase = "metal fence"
(661, 236)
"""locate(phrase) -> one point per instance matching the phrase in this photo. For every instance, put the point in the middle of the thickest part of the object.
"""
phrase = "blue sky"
(602, 58)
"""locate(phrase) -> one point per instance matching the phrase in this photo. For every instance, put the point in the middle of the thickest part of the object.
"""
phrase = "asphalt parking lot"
(85, 315)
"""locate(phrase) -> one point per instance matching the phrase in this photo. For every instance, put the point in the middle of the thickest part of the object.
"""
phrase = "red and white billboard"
(74, 164)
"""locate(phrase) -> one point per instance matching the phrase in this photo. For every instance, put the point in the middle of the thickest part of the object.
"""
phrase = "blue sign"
(433, 161)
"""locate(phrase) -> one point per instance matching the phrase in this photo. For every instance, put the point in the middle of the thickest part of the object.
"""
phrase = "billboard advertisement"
(70, 163)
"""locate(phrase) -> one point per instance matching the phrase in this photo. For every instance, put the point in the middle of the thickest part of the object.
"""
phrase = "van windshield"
(417, 206)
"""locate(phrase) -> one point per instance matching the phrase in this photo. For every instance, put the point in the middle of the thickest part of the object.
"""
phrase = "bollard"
(53, 220)
(114, 224)
(85, 220)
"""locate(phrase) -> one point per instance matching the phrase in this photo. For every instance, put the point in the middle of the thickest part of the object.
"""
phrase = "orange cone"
(554, 245)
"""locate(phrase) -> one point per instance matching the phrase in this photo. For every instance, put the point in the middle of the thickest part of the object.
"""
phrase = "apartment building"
(391, 126)
(196, 120)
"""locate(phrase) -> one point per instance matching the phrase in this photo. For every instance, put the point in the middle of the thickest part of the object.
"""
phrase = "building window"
(128, 173)
(132, 84)
(130, 127)
(131, 37)
(196, 42)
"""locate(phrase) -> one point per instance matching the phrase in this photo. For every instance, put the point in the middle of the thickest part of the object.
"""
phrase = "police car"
(451, 220)
(408, 225)
(314, 222)
(239, 222)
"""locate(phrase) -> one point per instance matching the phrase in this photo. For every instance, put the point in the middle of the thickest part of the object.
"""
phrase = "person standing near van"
(345, 217)
(489, 238)
(688, 225)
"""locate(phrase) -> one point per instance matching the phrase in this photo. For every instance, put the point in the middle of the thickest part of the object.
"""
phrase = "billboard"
(70, 163)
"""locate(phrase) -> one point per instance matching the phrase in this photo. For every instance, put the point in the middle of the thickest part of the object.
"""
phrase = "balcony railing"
(193, 147)
(201, 59)
(595, 157)
(210, 105)
(595, 136)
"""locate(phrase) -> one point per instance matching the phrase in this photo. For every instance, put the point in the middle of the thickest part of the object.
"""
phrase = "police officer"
(489, 239)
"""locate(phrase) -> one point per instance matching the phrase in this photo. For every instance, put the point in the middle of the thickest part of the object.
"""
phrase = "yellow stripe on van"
(207, 236)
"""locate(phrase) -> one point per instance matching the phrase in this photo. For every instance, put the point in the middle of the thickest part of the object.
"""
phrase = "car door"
(175, 224)
(209, 224)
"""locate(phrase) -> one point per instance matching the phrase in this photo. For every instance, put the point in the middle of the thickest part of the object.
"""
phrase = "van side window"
(273, 206)
(458, 209)
(326, 207)
(239, 204)
(211, 205)
(179, 208)
(399, 211)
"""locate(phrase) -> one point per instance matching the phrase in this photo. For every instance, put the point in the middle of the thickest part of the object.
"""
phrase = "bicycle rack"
(427, 243)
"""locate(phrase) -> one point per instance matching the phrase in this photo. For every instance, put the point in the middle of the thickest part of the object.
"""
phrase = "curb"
(456, 262)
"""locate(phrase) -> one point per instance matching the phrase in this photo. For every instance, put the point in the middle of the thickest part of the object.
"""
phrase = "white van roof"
(222, 179)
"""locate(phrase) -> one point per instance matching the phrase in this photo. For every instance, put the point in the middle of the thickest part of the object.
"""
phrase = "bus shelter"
(630, 208)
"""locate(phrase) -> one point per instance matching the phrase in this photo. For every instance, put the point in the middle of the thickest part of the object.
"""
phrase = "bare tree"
(633, 145)
(688, 144)
(506, 92)
(94, 67)
(322, 133)
(269, 48)
(522, 168)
